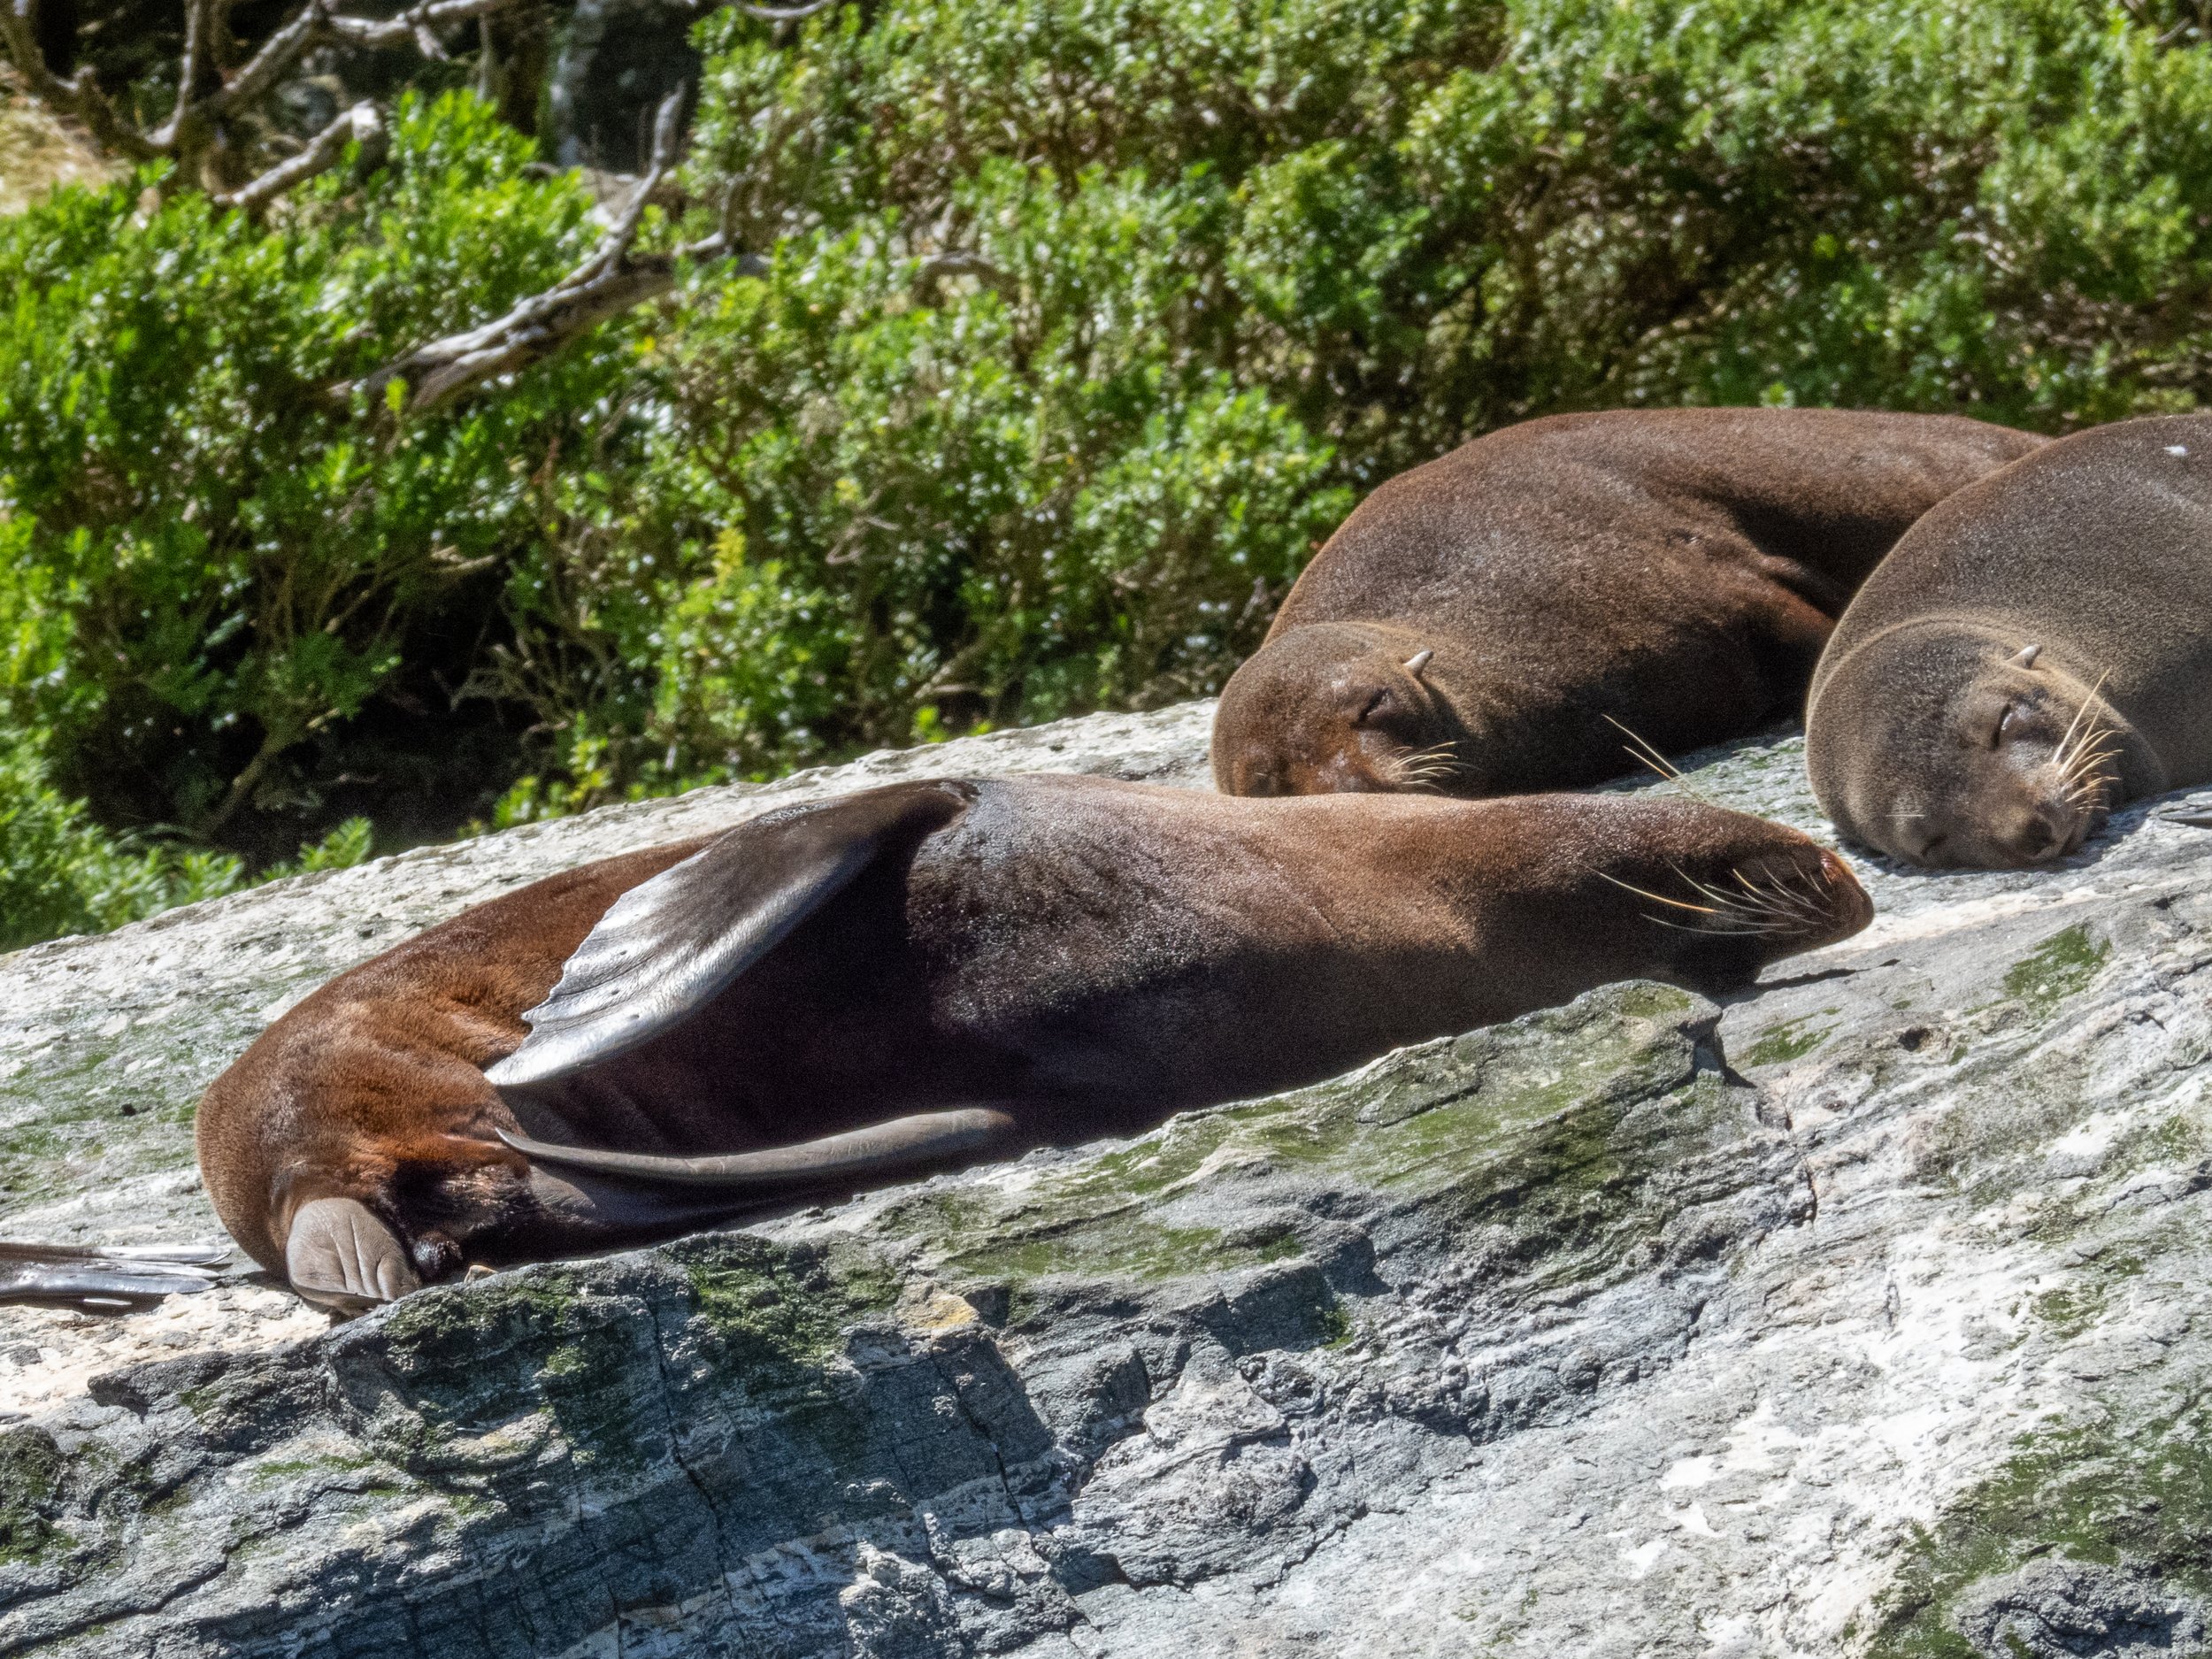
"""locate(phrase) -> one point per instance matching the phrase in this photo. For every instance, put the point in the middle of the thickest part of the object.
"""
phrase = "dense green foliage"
(1085, 321)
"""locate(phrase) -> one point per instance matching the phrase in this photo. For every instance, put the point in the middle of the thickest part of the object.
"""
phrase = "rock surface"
(1857, 1316)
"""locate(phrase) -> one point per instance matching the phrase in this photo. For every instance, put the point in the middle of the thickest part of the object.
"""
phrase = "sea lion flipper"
(103, 1279)
(897, 1143)
(669, 945)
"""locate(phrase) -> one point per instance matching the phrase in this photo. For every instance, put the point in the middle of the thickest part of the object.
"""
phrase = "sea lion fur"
(2036, 650)
(931, 972)
(1502, 619)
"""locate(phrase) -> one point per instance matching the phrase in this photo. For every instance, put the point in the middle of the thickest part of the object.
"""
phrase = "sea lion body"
(1929, 737)
(1062, 957)
(1674, 571)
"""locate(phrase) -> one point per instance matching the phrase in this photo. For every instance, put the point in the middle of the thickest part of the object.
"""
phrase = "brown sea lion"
(926, 971)
(1479, 625)
(2035, 651)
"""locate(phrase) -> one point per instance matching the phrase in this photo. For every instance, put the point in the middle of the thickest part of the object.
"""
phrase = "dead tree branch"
(612, 280)
(362, 125)
(77, 98)
(206, 97)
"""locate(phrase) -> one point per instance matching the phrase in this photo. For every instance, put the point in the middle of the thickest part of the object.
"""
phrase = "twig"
(362, 125)
(610, 282)
(414, 25)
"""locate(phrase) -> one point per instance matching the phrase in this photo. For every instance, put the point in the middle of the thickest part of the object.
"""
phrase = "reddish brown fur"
(384, 1066)
(1677, 569)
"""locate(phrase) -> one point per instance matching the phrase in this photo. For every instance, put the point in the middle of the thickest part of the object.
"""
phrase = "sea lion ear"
(1419, 661)
(669, 946)
(2024, 657)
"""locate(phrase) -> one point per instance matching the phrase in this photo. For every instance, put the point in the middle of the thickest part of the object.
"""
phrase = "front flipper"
(669, 945)
(108, 1279)
(898, 1143)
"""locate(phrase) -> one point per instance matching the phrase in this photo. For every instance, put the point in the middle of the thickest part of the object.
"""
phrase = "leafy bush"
(1088, 317)
(243, 590)
(1083, 321)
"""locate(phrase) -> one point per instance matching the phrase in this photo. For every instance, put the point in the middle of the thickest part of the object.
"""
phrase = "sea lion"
(2035, 651)
(934, 971)
(1500, 619)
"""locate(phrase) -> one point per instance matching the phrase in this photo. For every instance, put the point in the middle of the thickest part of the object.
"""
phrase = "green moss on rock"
(2140, 1494)
(1546, 1127)
(2055, 970)
(31, 1473)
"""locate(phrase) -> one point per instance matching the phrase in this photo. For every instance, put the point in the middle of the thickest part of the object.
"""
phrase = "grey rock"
(1858, 1315)
(2058, 1609)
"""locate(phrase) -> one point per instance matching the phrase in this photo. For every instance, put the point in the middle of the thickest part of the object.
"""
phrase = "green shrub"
(1084, 321)
(249, 590)
(1088, 318)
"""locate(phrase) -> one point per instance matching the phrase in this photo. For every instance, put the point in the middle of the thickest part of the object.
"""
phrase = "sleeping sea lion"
(932, 971)
(1479, 626)
(2036, 650)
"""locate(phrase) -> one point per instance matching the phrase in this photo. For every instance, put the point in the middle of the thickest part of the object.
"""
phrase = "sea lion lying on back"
(1479, 624)
(987, 966)
(2036, 650)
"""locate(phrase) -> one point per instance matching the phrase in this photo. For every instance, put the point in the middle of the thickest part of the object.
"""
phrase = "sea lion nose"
(1854, 910)
(2034, 837)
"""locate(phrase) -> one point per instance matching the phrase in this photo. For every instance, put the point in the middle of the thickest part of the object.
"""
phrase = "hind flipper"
(105, 1280)
(669, 945)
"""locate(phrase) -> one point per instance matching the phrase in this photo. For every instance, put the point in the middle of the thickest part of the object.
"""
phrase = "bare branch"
(441, 372)
(77, 97)
(200, 21)
(362, 125)
(201, 106)
(413, 26)
(616, 242)
(612, 280)
(264, 69)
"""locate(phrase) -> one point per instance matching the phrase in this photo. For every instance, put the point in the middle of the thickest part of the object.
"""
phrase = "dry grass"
(37, 152)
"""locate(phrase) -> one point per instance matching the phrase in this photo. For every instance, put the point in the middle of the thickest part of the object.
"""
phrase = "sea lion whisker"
(2087, 703)
(2089, 779)
(1656, 898)
(1422, 768)
(1751, 904)
(2091, 766)
(1644, 754)
(1724, 930)
(2086, 752)
(2085, 758)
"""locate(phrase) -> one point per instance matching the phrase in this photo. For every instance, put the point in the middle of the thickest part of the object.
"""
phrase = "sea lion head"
(1950, 744)
(351, 1197)
(359, 1180)
(1335, 708)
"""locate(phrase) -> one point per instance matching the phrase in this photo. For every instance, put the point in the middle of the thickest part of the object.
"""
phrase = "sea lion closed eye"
(930, 972)
(1487, 623)
(2035, 651)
